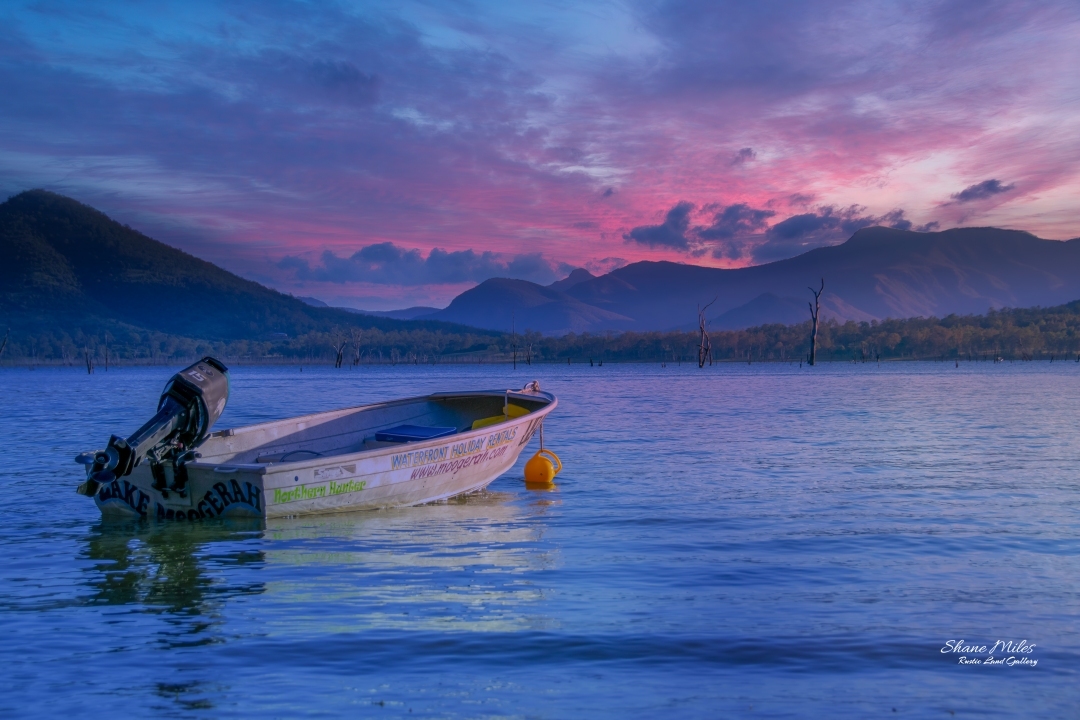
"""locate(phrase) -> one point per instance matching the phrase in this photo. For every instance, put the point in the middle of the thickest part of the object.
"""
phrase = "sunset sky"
(381, 155)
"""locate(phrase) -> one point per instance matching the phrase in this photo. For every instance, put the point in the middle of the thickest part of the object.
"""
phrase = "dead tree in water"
(89, 360)
(356, 343)
(340, 352)
(3, 345)
(705, 344)
(815, 309)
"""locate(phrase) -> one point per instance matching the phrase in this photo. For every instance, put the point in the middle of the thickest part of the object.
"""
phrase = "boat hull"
(401, 475)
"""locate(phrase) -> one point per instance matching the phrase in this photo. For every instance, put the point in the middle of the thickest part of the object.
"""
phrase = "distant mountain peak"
(878, 233)
(505, 304)
(575, 277)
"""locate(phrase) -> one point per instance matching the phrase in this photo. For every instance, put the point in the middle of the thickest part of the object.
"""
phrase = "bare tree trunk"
(339, 351)
(704, 344)
(89, 360)
(815, 309)
(3, 345)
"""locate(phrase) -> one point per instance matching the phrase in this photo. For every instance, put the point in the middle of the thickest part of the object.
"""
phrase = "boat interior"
(361, 429)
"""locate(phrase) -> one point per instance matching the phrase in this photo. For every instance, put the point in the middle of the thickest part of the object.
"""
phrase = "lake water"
(764, 540)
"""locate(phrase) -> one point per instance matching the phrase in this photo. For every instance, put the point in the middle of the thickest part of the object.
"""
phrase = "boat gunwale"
(266, 468)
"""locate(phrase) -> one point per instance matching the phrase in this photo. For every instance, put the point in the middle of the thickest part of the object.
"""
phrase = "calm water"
(745, 540)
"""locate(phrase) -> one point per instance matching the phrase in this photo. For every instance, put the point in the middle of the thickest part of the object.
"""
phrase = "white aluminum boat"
(405, 452)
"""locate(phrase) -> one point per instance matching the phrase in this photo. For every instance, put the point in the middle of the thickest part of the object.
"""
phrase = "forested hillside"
(1027, 334)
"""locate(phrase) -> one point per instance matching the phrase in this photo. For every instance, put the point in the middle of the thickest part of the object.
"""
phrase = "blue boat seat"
(413, 433)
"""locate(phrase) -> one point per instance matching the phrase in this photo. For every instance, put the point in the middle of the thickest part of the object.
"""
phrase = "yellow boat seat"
(512, 411)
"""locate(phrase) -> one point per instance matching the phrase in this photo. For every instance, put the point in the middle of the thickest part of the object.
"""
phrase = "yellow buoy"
(540, 471)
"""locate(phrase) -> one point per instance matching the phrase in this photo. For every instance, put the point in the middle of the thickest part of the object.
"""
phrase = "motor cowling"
(191, 402)
(203, 389)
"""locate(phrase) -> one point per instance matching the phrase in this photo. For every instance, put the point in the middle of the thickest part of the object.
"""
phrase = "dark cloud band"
(981, 191)
(388, 264)
(742, 232)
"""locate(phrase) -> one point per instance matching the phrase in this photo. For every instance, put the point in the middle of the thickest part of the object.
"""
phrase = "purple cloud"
(827, 225)
(735, 220)
(981, 191)
(676, 232)
(739, 231)
(670, 234)
(744, 156)
(387, 264)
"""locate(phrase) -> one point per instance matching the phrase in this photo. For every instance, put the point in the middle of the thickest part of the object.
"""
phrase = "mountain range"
(878, 273)
(68, 265)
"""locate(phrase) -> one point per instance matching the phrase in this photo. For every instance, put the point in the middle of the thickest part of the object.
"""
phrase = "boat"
(403, 452)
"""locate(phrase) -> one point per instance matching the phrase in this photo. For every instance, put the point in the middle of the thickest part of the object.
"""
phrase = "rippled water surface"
(761, 540)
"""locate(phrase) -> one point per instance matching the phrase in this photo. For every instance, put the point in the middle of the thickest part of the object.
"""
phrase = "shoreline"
(26, 364)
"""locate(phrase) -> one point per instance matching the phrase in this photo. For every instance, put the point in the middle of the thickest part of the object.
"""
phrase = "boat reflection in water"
(466, 564)
(463, 564)
(172, 569)
(168, 587)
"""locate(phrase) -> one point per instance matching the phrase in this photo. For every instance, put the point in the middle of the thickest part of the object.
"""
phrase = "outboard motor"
(190, 404)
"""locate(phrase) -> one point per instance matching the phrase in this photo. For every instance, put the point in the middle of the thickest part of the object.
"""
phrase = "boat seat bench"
(383, 438)
(413, 433)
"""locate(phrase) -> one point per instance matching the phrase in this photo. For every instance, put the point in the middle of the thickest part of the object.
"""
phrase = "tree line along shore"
(1007, 334)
